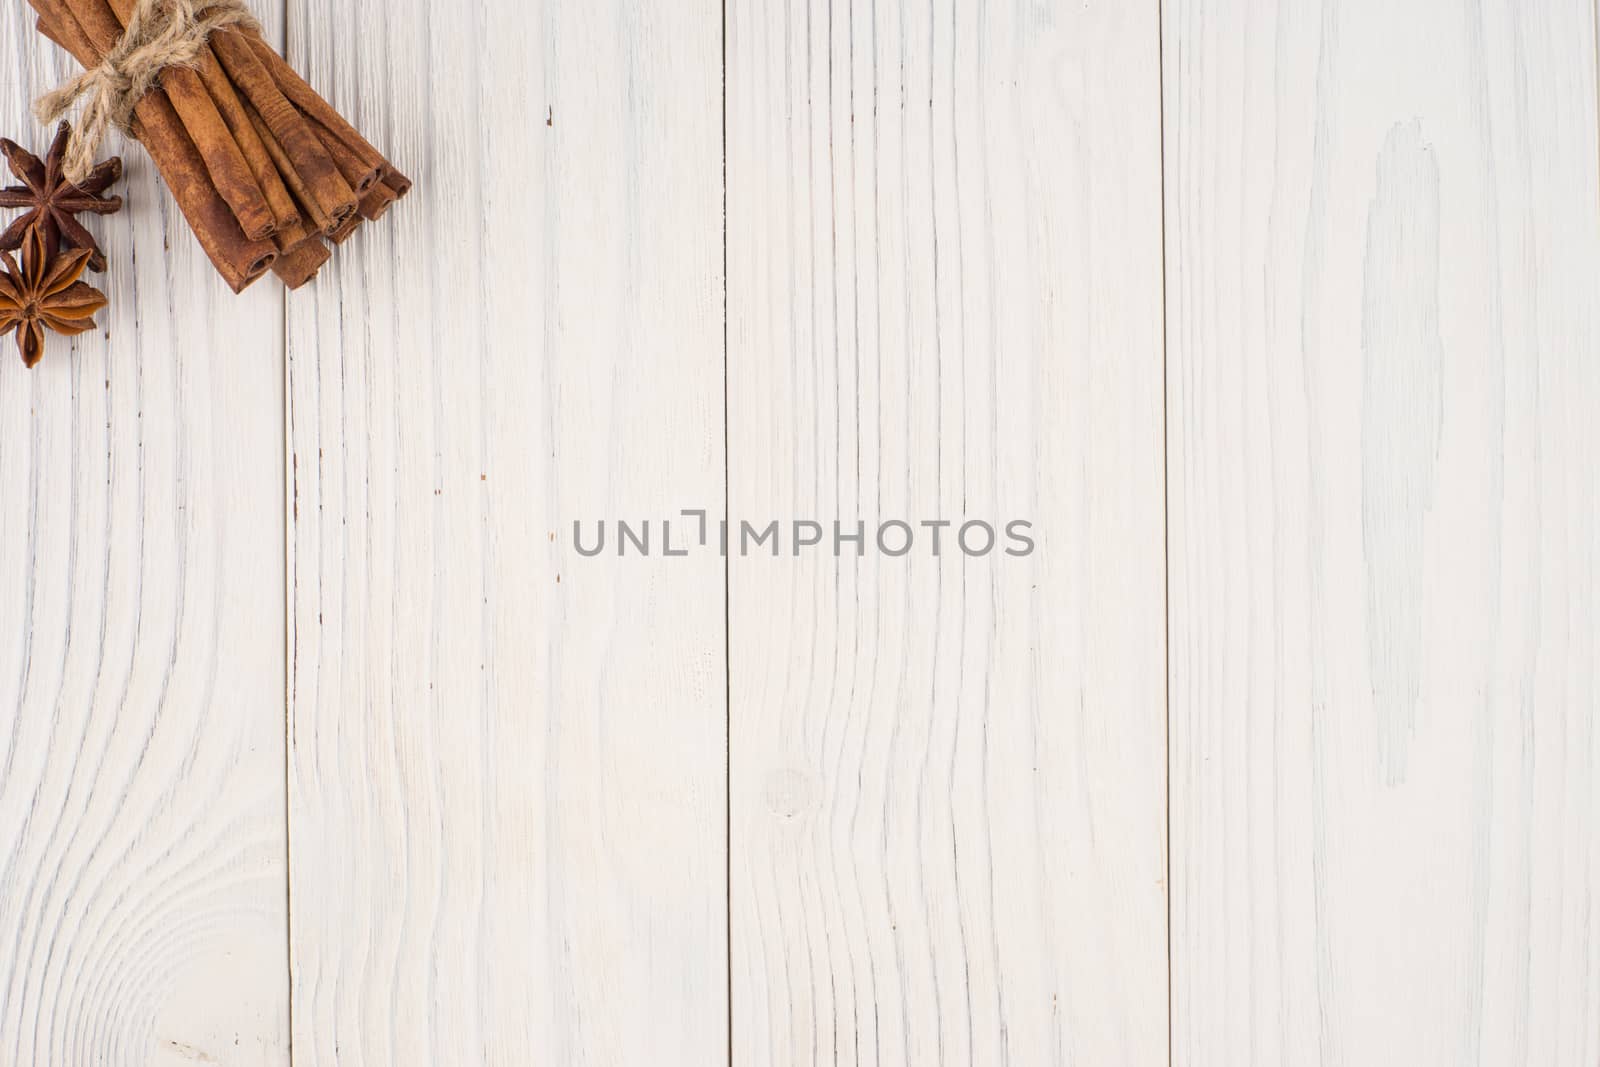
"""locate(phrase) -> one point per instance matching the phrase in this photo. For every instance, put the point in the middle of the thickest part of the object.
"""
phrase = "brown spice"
(346, 229)
(248, 148)
(376, 204)
(300, 264)
(44, 293)
(238, 259)
(318, 173)
(316, 218)
(361, 175)
(218, 151)
(287, 229)
(52, 202)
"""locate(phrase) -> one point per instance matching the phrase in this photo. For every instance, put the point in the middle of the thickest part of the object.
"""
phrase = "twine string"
(160, 34)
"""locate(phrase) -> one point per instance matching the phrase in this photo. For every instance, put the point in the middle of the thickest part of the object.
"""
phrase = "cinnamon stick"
(315, 169)
(287, 230)
(230, 172)
(239, 259)
(361, 175)
(398, 183)
(343, 232)
(309, 204)
(248, 148)
(289, 236)
(308, 100)
(301, 263)
(219, 153)
(376, 204)
(317, 109)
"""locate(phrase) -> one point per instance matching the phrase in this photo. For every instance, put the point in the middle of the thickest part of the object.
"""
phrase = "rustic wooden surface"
(1279, 320)
(142, 848)
(1383, 249)
(507, 762)
(948, 794)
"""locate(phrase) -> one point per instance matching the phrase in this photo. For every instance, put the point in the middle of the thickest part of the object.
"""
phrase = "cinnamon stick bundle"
(262, 167)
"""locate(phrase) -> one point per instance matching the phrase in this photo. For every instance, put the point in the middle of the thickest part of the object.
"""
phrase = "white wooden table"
(1280, 321)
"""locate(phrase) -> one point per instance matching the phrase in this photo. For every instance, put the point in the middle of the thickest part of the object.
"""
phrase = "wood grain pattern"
(507, 761)
(142, 852)
(854, 809)
(945, 304)
(1383, 240)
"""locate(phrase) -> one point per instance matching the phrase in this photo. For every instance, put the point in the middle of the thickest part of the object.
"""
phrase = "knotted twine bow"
(161, 34)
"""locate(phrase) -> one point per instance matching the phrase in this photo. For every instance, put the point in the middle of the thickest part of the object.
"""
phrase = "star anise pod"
(52, 202)
(45, 293)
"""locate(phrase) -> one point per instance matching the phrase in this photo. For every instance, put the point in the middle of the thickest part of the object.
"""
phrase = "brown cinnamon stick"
(398, 183)
(290, 236)
(302, 262)
(312, 104)
(219, 153)
(230, 173)
(239, 259)
(315, 169)
(248, 149)
(361, 175)
(287, 230)
(376, 204)
(308, 100)
(346, 229)
(317, 219)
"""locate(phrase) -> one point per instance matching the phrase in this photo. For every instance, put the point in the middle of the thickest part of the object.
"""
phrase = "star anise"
(52, 201)
(45, 293)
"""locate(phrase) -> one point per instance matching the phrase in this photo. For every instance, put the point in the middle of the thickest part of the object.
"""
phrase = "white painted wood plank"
(948, 773)
(142, 852)
(507, 761)
(1383, 243)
